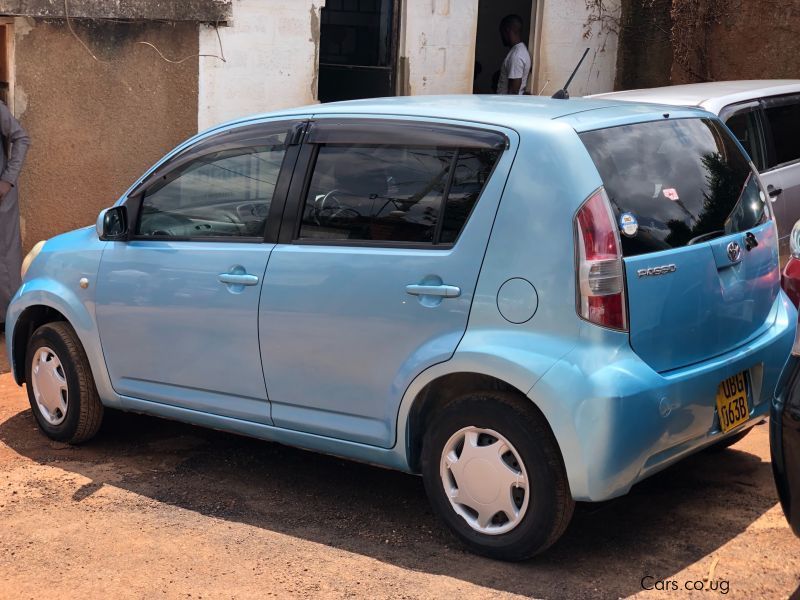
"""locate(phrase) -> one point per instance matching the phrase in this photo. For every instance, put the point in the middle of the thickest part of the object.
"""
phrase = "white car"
(765, 117)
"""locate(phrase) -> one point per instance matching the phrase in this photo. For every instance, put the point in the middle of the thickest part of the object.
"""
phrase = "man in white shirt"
(517, 64)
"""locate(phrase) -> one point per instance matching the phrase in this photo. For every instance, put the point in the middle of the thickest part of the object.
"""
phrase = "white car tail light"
(601, 280)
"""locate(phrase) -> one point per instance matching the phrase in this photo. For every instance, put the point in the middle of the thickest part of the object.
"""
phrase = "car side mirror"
(112, 224)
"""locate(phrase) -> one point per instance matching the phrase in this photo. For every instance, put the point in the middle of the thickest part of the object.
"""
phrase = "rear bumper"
(784, 437)
(618, 421)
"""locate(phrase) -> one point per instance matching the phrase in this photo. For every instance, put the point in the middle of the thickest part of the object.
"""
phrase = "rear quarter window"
(683, 181)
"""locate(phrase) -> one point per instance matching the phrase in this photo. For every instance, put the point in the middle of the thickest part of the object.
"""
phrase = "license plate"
(732, 405)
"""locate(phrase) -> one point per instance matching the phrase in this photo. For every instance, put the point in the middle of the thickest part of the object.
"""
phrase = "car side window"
(399, 194)
(746, 128)
(226, 193)
(784, 124)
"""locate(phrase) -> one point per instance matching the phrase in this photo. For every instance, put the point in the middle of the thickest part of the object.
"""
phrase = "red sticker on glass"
(671, 193)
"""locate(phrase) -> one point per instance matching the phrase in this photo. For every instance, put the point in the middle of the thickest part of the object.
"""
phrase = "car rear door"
(376, 268)
(699, 245)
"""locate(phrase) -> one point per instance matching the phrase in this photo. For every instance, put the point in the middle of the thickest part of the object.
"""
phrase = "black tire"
(84, 412)
(728, 442)
(550, 504)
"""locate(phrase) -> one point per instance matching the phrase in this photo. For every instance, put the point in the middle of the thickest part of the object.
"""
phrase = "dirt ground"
(154, 509)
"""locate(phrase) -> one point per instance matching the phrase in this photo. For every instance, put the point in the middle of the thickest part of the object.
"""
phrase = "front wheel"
(60, 385)
(494, 474)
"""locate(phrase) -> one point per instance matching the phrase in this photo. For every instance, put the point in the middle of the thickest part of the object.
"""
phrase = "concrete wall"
(437, 46)
(96, 126)
(567, 28)
(271, 53)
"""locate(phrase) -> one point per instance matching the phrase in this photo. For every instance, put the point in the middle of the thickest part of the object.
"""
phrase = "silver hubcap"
(485, 480)
(49, 386)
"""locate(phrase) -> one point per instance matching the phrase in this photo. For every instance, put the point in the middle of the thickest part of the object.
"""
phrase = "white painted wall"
(271, 51)
(562, 42)
(438, 41)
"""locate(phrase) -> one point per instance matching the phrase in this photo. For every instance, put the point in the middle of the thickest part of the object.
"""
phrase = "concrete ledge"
(210, 11)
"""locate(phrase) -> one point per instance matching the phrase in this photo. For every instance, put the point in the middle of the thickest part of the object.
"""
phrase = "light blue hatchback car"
(530, 302)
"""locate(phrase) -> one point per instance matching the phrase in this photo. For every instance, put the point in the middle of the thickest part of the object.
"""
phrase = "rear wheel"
(60, 385)
(494, 475)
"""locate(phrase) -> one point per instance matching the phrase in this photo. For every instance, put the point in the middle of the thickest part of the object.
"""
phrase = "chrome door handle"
(443, 291)
(238, 279)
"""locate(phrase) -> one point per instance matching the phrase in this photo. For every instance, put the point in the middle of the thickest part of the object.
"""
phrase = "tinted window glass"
(784, 121)
(473, 169)
(744, 126)
(223, 194)
(684, 181)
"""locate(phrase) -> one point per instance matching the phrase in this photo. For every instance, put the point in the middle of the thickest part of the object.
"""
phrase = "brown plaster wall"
(666, 42)
(644, 54)
(96, 126)
(715, 40)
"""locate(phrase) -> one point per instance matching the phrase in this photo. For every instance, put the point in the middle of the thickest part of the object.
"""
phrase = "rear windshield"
(675, 183)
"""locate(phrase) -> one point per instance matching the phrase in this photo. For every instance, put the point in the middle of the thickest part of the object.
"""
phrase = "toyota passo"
(528, 302)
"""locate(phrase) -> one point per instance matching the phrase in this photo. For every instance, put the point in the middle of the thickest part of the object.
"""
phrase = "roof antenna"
(563, 94)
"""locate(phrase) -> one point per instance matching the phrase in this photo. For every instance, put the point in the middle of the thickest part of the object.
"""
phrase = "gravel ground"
(159, 509)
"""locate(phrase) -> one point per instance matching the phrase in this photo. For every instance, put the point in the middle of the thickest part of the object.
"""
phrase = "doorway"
(358, 49)
(489, 49)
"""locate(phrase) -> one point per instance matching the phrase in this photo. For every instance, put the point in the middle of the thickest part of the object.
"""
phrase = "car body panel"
(784, 429)
(173, 333)
(708, 305)
(790, 280)
(53, 280)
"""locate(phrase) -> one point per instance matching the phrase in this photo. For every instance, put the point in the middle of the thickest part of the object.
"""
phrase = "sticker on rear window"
(671, 194)
(628, 224)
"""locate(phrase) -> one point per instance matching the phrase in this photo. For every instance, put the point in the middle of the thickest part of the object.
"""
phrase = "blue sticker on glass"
(628, 224)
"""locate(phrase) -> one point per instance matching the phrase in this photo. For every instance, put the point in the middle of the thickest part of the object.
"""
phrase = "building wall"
(734, 39)
(437, 46)
(96, 126)
(645, 45)
(568, 27)
(271, 51)
(708, 40)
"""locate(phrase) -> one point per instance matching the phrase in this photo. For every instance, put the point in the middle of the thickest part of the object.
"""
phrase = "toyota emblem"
(734, 252)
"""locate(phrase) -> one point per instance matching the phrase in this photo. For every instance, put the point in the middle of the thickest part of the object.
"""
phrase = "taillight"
(601, 282)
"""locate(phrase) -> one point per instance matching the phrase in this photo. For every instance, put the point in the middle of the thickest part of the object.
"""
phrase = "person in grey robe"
(14, 147)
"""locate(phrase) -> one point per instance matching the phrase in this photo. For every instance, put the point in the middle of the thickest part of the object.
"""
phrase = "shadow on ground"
(665, 524)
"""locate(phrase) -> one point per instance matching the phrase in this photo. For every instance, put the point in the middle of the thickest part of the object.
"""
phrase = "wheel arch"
(440, 391)
(45, 302)
(29, 321)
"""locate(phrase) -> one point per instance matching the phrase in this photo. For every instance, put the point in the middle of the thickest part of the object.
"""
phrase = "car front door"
(177, 303)
(376, 267)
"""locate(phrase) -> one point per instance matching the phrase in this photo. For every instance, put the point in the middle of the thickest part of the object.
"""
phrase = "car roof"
(506, 111)
(712, 96)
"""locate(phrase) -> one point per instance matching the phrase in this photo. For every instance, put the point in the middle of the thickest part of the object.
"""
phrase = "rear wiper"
(705, 237)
